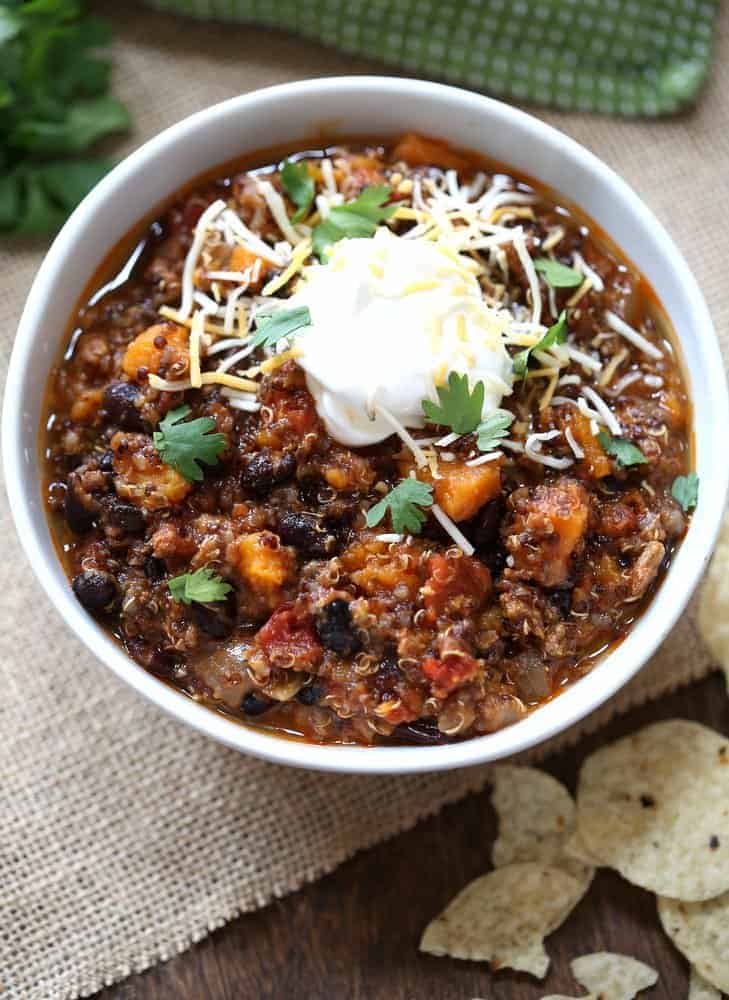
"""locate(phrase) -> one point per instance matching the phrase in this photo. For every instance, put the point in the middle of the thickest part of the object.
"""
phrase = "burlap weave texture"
(123, 836)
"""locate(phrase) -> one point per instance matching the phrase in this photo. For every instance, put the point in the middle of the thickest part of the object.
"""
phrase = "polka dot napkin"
(627, 57)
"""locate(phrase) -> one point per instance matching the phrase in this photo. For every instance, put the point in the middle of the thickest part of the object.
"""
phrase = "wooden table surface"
(354, 934)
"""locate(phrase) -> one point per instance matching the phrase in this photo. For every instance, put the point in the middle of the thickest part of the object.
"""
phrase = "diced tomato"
(449, 673)
(455, 586)
(289, 639)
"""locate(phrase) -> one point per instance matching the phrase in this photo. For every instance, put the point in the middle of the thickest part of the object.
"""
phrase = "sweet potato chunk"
(464, 489)
(142, 477)
(421, 152)
(456, 586)
(263, 562)
(161, 349)
(546, 530)
(595, 461)
(240, 259)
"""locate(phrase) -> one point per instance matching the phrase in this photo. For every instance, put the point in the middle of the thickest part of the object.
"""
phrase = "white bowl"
(375, 106)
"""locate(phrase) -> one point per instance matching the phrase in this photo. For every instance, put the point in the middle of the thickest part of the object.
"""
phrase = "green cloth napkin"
(628, 57)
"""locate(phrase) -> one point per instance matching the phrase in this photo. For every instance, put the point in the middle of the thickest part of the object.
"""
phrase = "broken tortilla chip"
(714, 601)
(699, 989)
(655, 806)
(612, 976)
(503, 917)
(536, 819)
(701, 932)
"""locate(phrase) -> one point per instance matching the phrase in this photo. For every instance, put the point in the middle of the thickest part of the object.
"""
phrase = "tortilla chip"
(714, 602)
(536, 819)
(655, 806)
(611, 976)
(699, 989)
(701, 932)
(503, 917)
(575, 849)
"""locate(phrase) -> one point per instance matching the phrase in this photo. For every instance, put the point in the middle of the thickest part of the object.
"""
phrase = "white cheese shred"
(576, 449)
(195, 334)
(188, 271)
(637, 339)
(607, 417)
(528, 264)
(278, 210)
(458, 537)
(533, 450)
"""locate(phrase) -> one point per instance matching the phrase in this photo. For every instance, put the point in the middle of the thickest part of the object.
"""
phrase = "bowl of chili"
(382, 447)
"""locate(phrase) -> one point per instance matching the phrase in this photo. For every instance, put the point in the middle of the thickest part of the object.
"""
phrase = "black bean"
(304, 532)
(254, 704)
(260, 472)
(217, 619)
(310, 694)
(120, 403)
(78, 516)
(335, 629)
(95, 589)
(484, 529)
(423, 731)
(106, 462)
(126, 517)
(154, 568)
(562, 600)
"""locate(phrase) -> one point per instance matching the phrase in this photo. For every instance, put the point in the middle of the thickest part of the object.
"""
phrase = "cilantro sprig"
(202, 586)
(272, 327)
(183, 446)
(685, 490)
(405, 503)
(494, 429)
(299, 186)
(54, 105)
(623, 451)
(459, 407)
(558, 275)
(358, 218)
(556, 334)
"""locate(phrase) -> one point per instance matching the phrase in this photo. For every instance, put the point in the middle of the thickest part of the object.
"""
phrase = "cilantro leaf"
(623, 451)
(299, 186)
(272, 327)
(458, 407)
(493, 429)
(202, 586)
(183, 445)
(54, 105)
(685, 490)
(556, 334)
(404, 503)
(358, 218)
(558, 275)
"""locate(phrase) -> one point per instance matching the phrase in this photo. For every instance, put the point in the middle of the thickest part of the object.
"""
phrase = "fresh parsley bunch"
(54, 105)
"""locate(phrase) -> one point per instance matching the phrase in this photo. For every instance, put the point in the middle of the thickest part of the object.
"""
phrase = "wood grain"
(354, 934)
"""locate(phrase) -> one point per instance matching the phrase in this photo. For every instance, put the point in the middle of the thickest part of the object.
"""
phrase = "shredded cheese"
(271, 364)
(606, 415)
(188, 271)
(533, 449)
(530, 271)
(490, 456)
(405, 437)
(615, 363)
(278, 210)
(576, 449)
(580, 293)
(301, 252)
(642, 343)
(579, 262)
(458, 537)
(231, 381)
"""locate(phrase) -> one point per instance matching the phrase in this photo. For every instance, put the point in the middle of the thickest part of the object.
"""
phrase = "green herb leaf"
(556, 334)
(272, 327)
(183, 445)
(558, 275)
(358, 218)
(458, 407)
(202, 586)
(624, 452)
(404, 503)
(54, 105)
(685, 490)
(299, 186)
(494, 429)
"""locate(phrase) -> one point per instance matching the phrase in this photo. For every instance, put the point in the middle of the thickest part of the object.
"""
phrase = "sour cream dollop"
(390, 318)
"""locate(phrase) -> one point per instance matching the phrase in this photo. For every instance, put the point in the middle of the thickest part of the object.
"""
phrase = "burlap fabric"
(123, 836)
